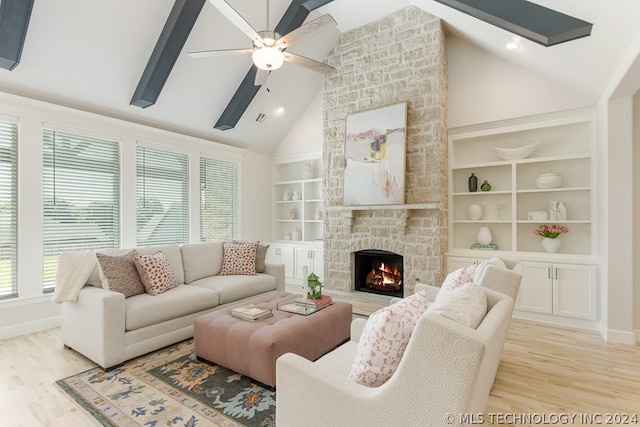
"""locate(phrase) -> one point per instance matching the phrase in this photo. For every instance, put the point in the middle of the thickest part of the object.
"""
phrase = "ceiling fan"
(268, 51)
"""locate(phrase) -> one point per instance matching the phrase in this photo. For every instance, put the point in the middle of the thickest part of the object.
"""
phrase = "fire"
(384, 277)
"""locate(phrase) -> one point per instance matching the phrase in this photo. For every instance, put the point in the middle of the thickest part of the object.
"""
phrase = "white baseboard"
(620, 337)
(29, 327)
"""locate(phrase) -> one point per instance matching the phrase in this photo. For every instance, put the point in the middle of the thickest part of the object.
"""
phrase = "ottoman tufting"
(251, 348)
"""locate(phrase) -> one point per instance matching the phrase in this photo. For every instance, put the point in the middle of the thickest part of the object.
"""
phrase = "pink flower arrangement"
(550, 231)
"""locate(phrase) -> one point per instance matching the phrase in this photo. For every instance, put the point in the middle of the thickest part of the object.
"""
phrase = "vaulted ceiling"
(92, 54)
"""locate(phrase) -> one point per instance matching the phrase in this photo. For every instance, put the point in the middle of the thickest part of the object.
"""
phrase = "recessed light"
(511, 45)
(280, 110)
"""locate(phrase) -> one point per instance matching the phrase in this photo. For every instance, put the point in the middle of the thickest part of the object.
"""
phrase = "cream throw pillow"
(477, 275)
(466, 305)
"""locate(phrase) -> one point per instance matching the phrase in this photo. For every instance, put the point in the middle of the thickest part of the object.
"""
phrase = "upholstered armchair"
(446, 371)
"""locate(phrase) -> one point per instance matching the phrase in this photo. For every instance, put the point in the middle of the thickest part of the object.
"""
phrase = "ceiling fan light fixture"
(268, 58)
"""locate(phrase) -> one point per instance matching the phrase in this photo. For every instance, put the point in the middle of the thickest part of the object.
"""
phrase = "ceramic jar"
(474, 211)
(551, 245)
(295, 195)
(549, 180)
(484, 236)
(295, 235)
(286, 196)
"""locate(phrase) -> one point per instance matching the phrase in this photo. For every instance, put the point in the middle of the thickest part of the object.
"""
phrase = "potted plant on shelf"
(550, 242)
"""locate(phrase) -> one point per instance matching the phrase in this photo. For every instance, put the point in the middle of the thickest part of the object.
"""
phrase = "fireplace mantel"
(413, 206)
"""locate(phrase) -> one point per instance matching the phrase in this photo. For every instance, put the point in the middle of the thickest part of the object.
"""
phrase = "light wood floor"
(544, 370)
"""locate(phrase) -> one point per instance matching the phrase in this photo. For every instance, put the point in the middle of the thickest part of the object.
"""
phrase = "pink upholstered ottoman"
(251, 348)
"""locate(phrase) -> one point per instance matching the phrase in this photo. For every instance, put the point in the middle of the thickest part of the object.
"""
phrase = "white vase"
(551, 245)
(484, 236)
(474, 211)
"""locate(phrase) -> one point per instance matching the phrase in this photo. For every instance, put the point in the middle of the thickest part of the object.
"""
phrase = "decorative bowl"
(515, 153)
(549, 180)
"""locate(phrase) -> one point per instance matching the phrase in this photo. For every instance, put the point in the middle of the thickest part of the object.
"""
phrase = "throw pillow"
(466, 305)
(156, 273)
(384, 339)
(455, 279)
(483, 266)
(261, 255)
(119, 273)
(239, 258)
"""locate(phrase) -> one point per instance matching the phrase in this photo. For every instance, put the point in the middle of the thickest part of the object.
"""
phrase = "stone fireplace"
(400, 58)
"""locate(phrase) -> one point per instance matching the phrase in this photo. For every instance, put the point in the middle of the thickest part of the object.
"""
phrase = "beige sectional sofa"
(109, 329)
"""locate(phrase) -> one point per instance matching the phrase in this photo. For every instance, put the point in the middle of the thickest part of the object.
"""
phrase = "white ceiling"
(90, 54)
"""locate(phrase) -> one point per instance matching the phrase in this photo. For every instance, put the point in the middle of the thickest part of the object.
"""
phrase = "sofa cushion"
(234, 288)
(201, 260)
(239, 258)
(155, 273)
(384, 339)
(477, 275)
(118, 273)
(457, 278)
(466, 305)
(145, 310)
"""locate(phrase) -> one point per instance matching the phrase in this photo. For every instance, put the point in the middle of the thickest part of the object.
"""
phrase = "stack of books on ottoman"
(315, 304)
(251, 312)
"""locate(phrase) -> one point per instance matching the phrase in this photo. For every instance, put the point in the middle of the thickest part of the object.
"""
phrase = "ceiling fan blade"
(261, 77)
(236, 19)
(310, 28)
(220, 52)
(311, 64)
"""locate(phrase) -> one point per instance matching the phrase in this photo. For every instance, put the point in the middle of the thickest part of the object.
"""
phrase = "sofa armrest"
(357, 326)
(277, 271)
(94, 325)
(432, 291)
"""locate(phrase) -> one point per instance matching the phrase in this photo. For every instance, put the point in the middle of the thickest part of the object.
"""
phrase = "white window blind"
(162, 189)
(218, 199)
(8, 209)
(81, 192)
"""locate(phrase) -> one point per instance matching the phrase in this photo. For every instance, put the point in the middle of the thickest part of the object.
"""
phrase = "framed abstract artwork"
(374, 153)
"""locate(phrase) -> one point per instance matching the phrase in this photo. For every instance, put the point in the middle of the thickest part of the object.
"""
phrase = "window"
(81, 192)
(162, 189)
(8, 208)
(218, 199)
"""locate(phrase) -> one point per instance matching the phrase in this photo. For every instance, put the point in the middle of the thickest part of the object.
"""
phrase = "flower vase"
(551, 245)
(484, 236)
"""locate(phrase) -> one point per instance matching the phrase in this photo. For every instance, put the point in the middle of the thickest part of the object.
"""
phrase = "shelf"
(565, 146)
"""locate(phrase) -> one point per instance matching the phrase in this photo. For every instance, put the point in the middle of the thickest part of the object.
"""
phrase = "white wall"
(34, 310)
(636, 208)
(306, 135)
(485, 88)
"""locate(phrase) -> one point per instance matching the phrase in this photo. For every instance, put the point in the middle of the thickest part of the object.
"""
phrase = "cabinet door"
(281, 254)
(574, 291)
(313, 258)
(536, 288)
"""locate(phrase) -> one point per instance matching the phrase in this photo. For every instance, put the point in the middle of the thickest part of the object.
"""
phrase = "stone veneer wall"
(400, 58)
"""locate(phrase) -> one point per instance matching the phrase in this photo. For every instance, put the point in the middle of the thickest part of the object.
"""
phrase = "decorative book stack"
(315, 304)
(480, 247)
(251, 312)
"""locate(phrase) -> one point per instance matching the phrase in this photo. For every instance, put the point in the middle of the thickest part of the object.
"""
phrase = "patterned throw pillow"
(455, 279)
(120, 274)
(384, 339)
(261, 255)
(156, 273)
(239, 258)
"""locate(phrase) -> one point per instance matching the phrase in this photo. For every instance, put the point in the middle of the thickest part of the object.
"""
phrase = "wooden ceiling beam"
(14, 21)
(176, 30)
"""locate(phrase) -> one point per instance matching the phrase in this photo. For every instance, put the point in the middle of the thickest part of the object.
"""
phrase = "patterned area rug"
(170, 387)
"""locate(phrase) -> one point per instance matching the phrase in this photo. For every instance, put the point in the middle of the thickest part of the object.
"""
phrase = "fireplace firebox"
(379, 272)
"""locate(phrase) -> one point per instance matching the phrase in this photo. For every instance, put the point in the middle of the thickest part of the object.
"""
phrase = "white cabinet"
(282, 254)
(313, 258)
(560, 289)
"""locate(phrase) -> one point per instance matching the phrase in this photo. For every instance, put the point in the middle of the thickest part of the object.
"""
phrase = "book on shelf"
(317, 303)
(251, 312)
(489, 247)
